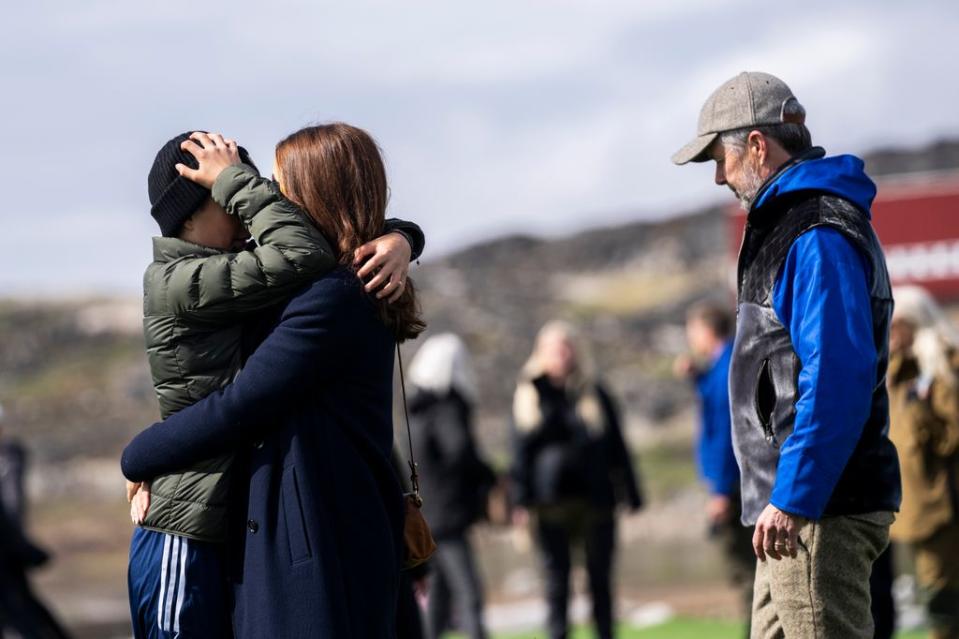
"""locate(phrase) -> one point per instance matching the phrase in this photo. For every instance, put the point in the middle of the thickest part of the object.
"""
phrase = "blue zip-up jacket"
(822, 295)
(717, 461)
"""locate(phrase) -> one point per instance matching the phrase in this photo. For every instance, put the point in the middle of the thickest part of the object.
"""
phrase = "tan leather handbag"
(420, 545)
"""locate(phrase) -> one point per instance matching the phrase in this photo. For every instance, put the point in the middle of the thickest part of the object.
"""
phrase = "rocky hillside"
(625, 286)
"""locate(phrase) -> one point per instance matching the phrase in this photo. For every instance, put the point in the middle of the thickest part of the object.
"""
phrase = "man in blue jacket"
(709, 333)
(819, 476)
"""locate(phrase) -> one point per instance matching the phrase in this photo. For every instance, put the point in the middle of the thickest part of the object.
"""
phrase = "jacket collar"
(168, 249)
(814, 153)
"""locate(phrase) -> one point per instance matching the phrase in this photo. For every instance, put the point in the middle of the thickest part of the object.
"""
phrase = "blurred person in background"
(570, 470)
(924, 400)
(13, 460)
(709, 333)
(20, 610)
(454, 479)
(819, 475)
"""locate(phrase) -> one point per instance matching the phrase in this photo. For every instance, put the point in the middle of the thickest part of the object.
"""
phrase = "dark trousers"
(409, 624)
(556, 538)
(736, 543)
(22, 612)
(455, 588)
(880, 587)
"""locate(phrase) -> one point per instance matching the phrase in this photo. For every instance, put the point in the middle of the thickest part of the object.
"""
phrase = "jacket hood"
(840, 175)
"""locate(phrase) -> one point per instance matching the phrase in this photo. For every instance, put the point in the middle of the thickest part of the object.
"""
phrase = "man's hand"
(387, 260)
(421, 590)
(719, 509)
(213, 152)
(777, 534)
(139, 500)
(683, 367)
(520, 517)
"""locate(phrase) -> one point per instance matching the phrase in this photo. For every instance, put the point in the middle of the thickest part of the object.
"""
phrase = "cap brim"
(695, 151)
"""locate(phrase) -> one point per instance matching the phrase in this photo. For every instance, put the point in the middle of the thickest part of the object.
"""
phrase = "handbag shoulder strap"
(414, 475)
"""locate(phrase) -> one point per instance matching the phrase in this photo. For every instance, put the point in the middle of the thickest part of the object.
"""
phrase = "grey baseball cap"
(750, 99)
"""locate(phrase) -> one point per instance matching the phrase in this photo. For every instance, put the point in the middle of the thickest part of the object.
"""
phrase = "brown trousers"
(823, 593)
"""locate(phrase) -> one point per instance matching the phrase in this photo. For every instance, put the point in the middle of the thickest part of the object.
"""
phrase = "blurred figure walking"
(570, 469)
(709, 333)
(924, 403)
(20, 610)
(454, 480)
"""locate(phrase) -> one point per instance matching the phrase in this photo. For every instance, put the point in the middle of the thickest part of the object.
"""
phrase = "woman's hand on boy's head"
(386, 261)
(213, 152)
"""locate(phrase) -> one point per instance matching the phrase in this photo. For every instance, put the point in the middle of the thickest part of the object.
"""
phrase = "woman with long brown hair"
(321, 526)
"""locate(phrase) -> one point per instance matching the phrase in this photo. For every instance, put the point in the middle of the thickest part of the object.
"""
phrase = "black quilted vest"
(765, 368)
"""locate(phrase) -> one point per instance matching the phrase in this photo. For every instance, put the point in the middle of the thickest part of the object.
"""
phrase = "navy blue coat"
(324, 514)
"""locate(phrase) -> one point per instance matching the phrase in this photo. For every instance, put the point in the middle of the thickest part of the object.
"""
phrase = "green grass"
(676, 629)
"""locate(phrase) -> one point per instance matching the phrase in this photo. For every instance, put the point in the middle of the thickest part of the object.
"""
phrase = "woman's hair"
(335, 173)
(443, 364)
(583, 372)
(580, 385)
(936, 338)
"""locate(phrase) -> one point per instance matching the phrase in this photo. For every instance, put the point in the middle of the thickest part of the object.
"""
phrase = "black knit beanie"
(174, 198)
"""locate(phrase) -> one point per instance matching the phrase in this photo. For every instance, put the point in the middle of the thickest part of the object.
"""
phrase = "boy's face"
(214, 227)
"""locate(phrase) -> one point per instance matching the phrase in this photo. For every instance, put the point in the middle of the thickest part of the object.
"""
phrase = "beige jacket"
(925, 429)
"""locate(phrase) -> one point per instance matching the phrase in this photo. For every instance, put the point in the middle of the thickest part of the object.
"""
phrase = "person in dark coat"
(454, 479)
(13, 463)
(324, 513)
(20, 609)
(570, 470)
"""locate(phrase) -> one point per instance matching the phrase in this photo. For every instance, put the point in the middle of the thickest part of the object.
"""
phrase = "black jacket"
(454, 479)
(561, 459)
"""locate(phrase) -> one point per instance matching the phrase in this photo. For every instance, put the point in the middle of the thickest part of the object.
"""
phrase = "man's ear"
(757, 146)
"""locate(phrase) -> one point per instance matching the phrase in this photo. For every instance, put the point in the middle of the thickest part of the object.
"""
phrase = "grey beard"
(752, 183)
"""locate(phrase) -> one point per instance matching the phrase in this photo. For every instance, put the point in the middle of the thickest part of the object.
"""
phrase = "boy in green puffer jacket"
(202, 286)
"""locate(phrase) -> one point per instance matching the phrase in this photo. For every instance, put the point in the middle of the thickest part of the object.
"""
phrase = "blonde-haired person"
(570, 469)
(924, 414)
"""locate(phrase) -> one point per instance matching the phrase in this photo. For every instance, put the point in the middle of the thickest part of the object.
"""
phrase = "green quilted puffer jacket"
(195, 300)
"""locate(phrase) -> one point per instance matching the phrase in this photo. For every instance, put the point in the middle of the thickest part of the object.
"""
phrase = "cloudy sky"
(494, 116)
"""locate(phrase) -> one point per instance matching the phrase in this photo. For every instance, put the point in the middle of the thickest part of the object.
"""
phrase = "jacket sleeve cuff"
(411, 231)
(801, 491)
(726, 490)
(409, 240)
(230, 181)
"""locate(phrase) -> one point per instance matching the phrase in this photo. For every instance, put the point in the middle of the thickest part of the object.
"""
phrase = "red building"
(917, 219)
